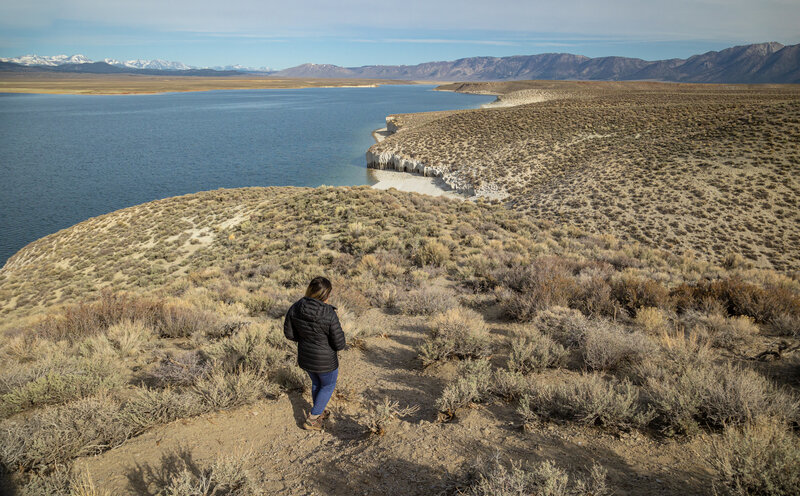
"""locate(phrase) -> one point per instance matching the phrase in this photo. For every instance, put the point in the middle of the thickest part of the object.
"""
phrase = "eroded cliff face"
(382, 155)
(395, 161)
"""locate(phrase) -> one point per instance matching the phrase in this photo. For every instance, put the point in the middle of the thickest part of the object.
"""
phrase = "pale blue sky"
(360, 32)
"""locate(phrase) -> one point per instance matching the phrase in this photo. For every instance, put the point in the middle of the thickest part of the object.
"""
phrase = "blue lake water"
(66, 158)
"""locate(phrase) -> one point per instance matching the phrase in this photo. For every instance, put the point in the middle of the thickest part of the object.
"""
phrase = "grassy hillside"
(709, 169)
(558, 356)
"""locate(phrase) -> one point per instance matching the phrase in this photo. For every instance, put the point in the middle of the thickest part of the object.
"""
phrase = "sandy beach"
(435, 186)
(407, 181)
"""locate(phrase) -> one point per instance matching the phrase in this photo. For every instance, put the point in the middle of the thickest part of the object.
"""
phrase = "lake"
(66, 158)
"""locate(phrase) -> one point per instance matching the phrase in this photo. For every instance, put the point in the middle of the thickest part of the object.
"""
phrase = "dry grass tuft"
(457, 333)
(688, 396)
(544, 283)
(62, 381)
(386, 412)
(472, 386)
(535, 352)
(427, 300)
(227, 475)
(57, 434)
(759, 458)
(589, 400)
(608, 346)
(543, 478)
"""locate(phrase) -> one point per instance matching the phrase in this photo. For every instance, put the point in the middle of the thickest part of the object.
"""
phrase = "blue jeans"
(322, 386)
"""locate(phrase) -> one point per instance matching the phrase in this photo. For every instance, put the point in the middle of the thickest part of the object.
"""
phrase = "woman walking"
(315, 326)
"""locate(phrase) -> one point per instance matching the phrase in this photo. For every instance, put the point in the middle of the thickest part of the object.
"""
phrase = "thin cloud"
(444, 40)
(641, 19)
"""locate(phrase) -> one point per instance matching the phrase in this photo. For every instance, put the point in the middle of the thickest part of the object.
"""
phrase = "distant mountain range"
(155, 64)
(757, 63)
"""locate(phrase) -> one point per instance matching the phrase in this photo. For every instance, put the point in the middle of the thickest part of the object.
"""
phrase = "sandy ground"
(418, 456)
(406, 181)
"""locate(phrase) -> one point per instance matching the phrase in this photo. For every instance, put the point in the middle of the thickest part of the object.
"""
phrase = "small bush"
(633, 293)
(129, 337)
(358, 329)
(564, 325)
(457, 333)
(785, 324)
(685, 349)
(696, 395)
(292, 378)
(427, 300)
(180, 321)
(58, 434)
(730, 332)
(431, 252)
(271, 302)
(252, 349)
(54, 481)
(183, 369)
(607, 346)
(761, 458)
(472, 386)
(588, 400)
(509, 385)
(545, 479)
(544, 283)
(349, 297)
(738, 297)
(87, 319)
(61, 480)
(534, 353)
(149, 407)
(72, 380)
(385, 296)
(382, 414)
(594, 298)
(222, 389)
(651, 319)
(227, 475)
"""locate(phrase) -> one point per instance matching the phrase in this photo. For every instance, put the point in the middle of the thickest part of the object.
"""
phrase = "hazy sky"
(361, 32)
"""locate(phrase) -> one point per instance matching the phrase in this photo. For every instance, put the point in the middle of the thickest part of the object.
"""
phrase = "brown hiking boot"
(314, 424)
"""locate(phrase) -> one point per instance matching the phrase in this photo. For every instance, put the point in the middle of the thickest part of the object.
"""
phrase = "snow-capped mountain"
(156, 64)
(47, 61)
(163, 65)
(80, 59)
(241, 68)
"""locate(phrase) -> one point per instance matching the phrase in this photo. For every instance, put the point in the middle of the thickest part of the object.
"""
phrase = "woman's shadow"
(300, 407)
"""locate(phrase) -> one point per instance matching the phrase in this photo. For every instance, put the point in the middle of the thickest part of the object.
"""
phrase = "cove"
(66, 158)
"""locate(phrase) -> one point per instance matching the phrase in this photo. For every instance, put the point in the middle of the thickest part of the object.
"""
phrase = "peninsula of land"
(129, 84)
(693, 168)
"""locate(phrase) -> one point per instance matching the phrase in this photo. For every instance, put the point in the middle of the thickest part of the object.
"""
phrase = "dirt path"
(417, 456)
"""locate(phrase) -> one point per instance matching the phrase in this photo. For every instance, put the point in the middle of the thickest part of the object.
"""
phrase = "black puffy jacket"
(315, 326)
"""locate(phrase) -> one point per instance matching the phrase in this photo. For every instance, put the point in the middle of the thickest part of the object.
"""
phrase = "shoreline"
(437, 186)
(408, 181)
(156, 85)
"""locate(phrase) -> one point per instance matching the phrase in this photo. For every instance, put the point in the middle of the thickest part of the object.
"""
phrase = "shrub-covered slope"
(706, 168)
(579, 360)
